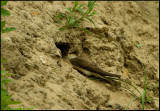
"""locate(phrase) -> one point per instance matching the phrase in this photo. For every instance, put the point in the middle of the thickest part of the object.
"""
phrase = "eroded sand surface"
(48, 81)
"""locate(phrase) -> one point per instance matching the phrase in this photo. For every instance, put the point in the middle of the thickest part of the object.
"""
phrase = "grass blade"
(90, 21)
(90, 3)
(93, 13)
(153, 86)
(75, 5)
(84, 29)
(80, 6)
(71, 21)
(91, 8)
(154, 99)
(62, 28)
(130, 91)
(79, 9)
(69, 10)
(143, 98)
(126, 83)
(131, 102)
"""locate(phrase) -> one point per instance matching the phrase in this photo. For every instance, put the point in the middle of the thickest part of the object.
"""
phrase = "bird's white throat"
(72, 56)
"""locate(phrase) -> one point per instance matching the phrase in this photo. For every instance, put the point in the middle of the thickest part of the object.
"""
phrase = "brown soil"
(44, 79)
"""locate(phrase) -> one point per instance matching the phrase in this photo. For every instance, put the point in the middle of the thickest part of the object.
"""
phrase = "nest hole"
(64, 47)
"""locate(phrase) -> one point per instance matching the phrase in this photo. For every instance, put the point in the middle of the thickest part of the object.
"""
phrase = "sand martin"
(85, 66)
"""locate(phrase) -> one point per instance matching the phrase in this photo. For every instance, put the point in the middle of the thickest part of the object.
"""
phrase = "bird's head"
(74, 52)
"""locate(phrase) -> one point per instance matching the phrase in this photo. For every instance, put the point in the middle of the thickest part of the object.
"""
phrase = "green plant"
(143, 97)
(58, 17)
(5, 12)
(139, 45)
(72, 20)
(5, 97)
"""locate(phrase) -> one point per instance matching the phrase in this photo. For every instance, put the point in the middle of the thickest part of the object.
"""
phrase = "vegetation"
(143, 97)
(5, 97)
(73, 21)
(5, 12)
(139, 45)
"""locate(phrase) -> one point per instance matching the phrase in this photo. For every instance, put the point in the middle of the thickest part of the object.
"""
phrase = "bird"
(86, 66)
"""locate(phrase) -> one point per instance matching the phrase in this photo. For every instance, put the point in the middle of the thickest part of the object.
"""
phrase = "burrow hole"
(64, 47)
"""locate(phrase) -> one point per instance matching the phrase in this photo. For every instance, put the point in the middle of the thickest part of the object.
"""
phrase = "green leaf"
(6, 99)
(56, 21)
(8, 29)
(79, 6)
(8, 74)
(4, 72)
(93, 13)
(71, 21)
(90, 21)
(62, 28)
(4, 12)
(3, 91)
(75, 5)
(3, 3)
(149, 99)
(84, 29)
(143, 98)
(90, 3)
(3, 23)
(76, 24)
(70, 10)
(61, 15)
(3, 60)
(4, 81)
(79, 9)
(139, 45)
(13, 102)
(90, 9)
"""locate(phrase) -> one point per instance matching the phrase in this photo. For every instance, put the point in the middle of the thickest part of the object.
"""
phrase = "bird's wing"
(86, 64)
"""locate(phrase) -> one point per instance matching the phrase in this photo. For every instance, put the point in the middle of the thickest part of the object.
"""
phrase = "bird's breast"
(86, 72)
(71, 56)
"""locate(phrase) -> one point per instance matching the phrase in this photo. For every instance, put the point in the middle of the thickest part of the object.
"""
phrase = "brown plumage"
(80, 63)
